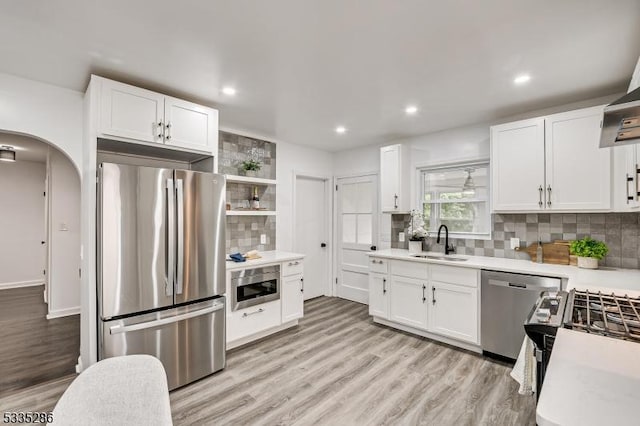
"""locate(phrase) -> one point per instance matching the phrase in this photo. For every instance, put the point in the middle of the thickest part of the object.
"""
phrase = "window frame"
(421, 170)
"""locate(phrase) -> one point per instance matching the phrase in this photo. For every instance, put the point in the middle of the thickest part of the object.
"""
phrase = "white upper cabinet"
(578, 171)
(517, 165)
(626, 160)
(132, 113)
(551, 163)
(189, 125)
(394, 181)
(139, 115)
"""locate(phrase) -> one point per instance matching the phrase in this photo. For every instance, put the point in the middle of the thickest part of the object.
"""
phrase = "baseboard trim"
(63, 313)
(453, 342)
(20, 284)
(248, 339)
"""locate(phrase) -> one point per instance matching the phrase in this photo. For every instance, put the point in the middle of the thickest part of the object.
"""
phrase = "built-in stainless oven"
(250, 287)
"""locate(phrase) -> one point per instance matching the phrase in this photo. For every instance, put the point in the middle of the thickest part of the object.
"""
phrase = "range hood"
(621, 123)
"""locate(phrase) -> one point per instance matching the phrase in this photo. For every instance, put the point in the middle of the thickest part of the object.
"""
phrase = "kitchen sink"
(439, 257)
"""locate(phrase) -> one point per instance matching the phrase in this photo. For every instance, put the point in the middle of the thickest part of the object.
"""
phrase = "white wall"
(292, 159)
(47, 112)
(64, 236)
(22, 218)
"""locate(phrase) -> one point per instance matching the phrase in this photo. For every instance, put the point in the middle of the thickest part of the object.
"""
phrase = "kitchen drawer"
(292, 267)
(454, 275)
(245, 322)
(418, 270)
(381, 266)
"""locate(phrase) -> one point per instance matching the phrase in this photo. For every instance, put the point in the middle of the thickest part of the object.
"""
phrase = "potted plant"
(589, 251)
(251, 167)
(416, 232)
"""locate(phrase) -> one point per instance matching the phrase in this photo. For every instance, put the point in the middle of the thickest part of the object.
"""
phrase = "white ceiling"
(302, 67)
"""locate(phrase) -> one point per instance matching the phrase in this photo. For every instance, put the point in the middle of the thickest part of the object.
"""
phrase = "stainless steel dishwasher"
(506, 300)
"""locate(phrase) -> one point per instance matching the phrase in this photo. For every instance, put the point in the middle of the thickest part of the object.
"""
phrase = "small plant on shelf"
(589, 251)
(251, 167)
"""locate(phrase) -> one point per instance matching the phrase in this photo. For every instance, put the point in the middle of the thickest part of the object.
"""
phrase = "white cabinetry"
(131, 112)
(378, 295)
(394, 179)
(551, 163)
(578, 171)
(135, 114)
(454, 311)
(292, 297)
(408, 302)
(433, 300)
(626, 160)
(517, 165)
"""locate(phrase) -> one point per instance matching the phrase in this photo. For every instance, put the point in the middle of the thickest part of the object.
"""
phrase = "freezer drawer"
(189, 340)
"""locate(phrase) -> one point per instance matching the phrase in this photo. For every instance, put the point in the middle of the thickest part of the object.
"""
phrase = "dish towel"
(524, 372)
(237, 257)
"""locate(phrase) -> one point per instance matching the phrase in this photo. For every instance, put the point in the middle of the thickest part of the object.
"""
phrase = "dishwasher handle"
(523, 286)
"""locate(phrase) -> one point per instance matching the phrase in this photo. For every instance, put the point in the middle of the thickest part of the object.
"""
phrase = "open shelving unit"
(250, 180)
(251, 213)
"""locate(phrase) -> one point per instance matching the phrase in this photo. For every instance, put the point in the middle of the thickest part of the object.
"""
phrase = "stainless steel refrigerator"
(161, 268)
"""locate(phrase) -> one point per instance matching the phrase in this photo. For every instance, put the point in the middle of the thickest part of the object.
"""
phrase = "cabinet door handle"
(160, 130)
(384, 286)
(246, 314)
(424, 298)
(540, 191)
(626, 183)
(636, 190)
(301, 285)
(433, 295)
(395, 201)
(549, 194)
(168, 130)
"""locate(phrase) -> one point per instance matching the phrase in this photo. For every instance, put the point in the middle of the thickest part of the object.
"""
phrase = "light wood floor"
(338, 367)
(33, 349)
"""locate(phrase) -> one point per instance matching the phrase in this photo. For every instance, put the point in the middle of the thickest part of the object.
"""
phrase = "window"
(457, 196)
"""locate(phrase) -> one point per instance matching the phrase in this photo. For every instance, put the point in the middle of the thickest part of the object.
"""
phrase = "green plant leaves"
(588, 247)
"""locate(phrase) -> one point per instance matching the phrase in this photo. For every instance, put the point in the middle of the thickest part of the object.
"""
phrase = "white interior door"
(356, 234)
(312, 212)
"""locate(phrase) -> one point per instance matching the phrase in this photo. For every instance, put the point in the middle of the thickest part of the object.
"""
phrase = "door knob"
(373, 248)
(323, 245)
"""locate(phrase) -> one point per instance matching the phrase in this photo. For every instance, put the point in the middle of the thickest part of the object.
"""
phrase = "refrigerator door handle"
(116, 329)
(171, 242)
(180, 226)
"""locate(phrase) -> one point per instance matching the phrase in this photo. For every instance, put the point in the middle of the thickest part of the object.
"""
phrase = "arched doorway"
(39, 263)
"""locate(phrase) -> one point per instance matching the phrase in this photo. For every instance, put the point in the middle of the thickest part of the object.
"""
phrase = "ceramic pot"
(587, 262)
(251, 173)
(415, 247)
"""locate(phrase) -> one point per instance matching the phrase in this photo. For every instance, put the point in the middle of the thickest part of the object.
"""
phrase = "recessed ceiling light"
(411, 109)
(341, 129)
(229, 90)
(7, 153)
(521, 79)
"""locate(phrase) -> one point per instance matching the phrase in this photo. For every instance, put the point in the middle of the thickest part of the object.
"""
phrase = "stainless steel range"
(604, 314)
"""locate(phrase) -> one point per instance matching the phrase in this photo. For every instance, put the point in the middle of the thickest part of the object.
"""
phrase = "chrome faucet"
(447, 248)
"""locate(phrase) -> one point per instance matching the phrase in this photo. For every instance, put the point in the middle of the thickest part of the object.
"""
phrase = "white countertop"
(268, 257)
(601, 386)
(624, 281)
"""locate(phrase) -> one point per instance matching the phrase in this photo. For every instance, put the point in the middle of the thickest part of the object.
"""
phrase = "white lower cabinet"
(292, 297)
(378, 295)
(408, 301)
(444, 304)
(453, 311)
(245, 322)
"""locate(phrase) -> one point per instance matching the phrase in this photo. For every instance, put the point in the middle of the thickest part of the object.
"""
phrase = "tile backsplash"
(243, 233)
(620, 231)
(234, 149)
